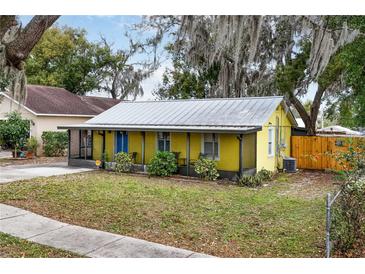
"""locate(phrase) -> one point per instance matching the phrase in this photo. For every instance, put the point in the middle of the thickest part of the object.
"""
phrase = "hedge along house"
(243, 135)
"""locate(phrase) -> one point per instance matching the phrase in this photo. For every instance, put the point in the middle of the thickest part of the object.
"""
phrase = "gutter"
(206, 129)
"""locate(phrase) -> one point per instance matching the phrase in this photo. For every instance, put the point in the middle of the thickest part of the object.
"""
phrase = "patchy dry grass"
(12, 247)
(34, 161)
(282, 219)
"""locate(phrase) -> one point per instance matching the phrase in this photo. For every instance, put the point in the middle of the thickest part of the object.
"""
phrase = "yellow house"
(243, 135)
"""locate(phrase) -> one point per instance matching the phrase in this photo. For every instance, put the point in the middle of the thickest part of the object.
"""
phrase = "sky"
(113, 28)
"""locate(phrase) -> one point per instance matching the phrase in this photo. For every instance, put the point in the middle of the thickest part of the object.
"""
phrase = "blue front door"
(122, 141)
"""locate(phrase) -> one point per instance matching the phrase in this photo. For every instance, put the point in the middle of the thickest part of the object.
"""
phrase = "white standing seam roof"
(220, 114)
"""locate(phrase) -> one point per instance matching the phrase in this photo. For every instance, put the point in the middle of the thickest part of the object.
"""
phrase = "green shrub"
(54, 143)
(348, 221)
(265, 174)
(163, 163)
(250, 180)
(255, 180)
(14, 131)
(123, 162)
(32, 144)
(206, 169)
(348, 217)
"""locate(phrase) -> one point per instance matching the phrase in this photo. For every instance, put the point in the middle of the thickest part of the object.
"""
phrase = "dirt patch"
(34, 161)
(309, 184)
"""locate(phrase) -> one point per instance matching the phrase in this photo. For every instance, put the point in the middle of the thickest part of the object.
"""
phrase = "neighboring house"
(337, 130)
(241, 134)
(49, 107)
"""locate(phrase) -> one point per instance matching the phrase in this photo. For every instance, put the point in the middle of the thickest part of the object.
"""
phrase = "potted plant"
(32, 145)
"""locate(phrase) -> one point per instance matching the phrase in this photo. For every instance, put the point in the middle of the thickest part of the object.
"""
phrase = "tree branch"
(19, 49)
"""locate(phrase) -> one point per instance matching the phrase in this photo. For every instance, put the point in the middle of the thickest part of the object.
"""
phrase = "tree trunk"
(315, 107)
(18, 49)
(113, 90)
(7, 22)
(310, 120)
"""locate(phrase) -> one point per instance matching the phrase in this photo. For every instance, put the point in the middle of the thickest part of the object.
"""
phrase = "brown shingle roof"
(53, 100)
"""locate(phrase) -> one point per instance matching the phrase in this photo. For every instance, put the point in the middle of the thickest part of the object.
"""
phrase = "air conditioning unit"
(290, 165)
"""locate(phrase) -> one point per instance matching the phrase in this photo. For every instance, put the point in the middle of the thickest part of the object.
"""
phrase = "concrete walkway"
(21, 172)
(84, 241)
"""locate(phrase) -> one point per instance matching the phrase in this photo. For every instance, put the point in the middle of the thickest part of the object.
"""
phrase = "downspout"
(85, 146)
(187, 153)
(143, 147)
(80, 144)
(92, 144)
(103, 150)
(255, 152)
(69, 146)
(240, 160)
(213, 150)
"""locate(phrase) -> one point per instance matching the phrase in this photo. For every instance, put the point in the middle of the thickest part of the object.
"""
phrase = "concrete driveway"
(21, 172)
(5, 154)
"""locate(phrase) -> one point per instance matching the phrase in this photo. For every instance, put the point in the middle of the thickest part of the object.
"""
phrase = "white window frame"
(219, 146)
(271, 142)
(163, 132)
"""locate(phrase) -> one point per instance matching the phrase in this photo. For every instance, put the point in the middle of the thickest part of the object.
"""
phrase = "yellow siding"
(228, 152)
(97, 145)
(150, 145)
(228, 145)
(249, 151)
(272, 162)
(195, 146)
(135, 145)
(109, 145)
(178, 143)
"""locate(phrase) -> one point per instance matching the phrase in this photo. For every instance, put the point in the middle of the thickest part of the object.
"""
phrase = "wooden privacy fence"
(319, 152)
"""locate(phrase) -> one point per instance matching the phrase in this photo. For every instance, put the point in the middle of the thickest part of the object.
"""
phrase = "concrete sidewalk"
(84, 241)
(21, 172)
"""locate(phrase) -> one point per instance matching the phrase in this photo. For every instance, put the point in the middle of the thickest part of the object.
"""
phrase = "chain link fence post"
(328, 226)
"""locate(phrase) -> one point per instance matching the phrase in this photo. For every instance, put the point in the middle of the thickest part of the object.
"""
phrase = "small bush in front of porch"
(206, 169)
(123, 162)
(163, 163)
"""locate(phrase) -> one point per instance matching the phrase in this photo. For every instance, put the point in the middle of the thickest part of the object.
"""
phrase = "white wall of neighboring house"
(7, 105)
(50, 123)
(39, 123)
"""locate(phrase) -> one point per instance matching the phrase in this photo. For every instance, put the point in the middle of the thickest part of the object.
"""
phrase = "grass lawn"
(285, 218)
(12, 247)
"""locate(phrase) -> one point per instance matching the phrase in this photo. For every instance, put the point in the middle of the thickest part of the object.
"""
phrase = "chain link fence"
(329, 203)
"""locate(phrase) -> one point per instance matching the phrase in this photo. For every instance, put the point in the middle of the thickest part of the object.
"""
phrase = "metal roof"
(211, 129)
(219, 114)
